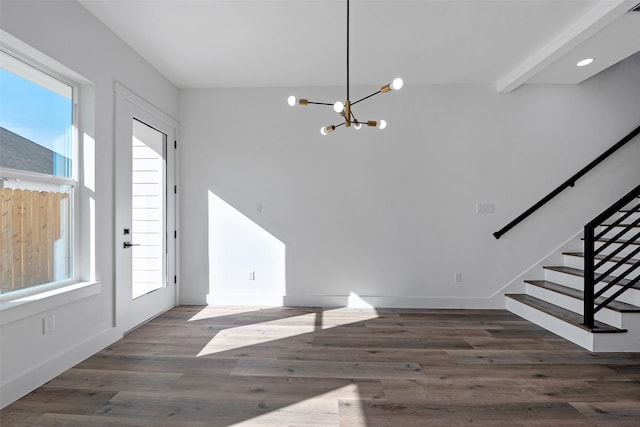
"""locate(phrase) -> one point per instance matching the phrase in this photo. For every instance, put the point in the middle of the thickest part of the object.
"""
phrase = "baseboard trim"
(17, 387)
(356, 301)
(248, 300)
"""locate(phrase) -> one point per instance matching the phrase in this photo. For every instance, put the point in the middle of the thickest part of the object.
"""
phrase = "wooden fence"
(32, 224)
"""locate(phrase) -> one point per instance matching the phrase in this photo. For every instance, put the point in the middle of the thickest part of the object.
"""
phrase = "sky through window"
(35, 112)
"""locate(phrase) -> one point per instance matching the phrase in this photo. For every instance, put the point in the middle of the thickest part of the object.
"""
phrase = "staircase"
(557, 302)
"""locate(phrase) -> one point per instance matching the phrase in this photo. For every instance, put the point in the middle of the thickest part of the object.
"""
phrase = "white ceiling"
(253, 43)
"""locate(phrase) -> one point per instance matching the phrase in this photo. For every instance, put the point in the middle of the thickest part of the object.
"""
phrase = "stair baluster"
(590, 253)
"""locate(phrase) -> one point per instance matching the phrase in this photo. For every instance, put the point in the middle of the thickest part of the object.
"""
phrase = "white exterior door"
(145, 211)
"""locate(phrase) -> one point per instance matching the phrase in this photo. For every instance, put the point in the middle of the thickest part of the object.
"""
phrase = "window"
(37, 177)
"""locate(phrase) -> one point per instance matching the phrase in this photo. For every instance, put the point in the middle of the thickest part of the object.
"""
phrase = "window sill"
(22, 307)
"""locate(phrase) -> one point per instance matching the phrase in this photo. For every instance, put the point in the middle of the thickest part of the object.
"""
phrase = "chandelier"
(345, 109)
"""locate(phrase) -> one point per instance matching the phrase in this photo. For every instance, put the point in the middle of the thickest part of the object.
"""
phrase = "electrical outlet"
(485, 208)
(457, 277)
(48, 324)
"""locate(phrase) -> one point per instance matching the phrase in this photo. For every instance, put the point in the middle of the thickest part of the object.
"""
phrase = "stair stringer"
(553, 257)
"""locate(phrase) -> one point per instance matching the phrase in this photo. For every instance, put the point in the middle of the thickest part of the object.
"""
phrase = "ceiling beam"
(593, 21)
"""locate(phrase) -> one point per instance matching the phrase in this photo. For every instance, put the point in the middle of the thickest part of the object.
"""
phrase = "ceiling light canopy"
(344, 109)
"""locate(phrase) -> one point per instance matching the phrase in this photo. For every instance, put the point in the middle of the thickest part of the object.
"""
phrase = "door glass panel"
(148, 209)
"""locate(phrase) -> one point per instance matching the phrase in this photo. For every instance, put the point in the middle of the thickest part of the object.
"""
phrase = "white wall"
(390, 215)
(386, 215)
(68, 34)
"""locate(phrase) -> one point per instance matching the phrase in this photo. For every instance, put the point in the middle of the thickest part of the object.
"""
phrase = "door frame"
(128, 102)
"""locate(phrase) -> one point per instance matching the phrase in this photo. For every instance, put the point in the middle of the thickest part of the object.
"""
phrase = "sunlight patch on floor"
(212, 312)
(289, 327)
(318, 411)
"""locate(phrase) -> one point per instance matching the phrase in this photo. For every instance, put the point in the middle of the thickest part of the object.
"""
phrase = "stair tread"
(580, 273)
(563, 314)
(618, 306)
(601, 257)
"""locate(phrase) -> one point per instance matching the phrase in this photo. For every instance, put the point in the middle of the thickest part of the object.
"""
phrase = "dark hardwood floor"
(295, 367)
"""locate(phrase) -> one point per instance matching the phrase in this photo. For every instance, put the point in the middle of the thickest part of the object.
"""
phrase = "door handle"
(129, 244)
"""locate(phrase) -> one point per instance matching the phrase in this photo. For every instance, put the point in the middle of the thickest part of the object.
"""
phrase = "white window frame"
(35, 299)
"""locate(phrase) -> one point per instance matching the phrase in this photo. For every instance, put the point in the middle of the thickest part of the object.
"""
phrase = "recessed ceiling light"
(584, 62)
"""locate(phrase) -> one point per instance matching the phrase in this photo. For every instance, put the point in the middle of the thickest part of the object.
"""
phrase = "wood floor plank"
(434, 323)
(392, 342)
(522, 372)
(285, 389)
(338, 354)
(509, 356)
(19, 419)
(623, 413)
(482, 393)
(98, 379)
(177, 349)
(163, 407)
(61, 400)
(617, 390)
(403, 390)
(198, 366)
(204, 366)
(327, 369)
(378, 414)
(71, 420)
(515, 343)
(626, 371)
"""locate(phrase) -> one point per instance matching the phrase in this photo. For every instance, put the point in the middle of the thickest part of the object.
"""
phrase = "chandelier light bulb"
(292, 100)
(326, 129)
(357, 126)
(382, 124)
(397, 83)
(338, 107)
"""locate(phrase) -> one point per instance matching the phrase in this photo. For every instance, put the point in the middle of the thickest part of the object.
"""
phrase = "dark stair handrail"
(568, 183)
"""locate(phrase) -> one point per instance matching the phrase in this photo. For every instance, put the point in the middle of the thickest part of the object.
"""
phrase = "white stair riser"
(631, 205)
(631, 232)
(578, 262)
(634, 216)
(630, 322)
(610, 317)
(629, 341)
(575, 282)
(572, 333)
(614, 246)
(631, 296)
